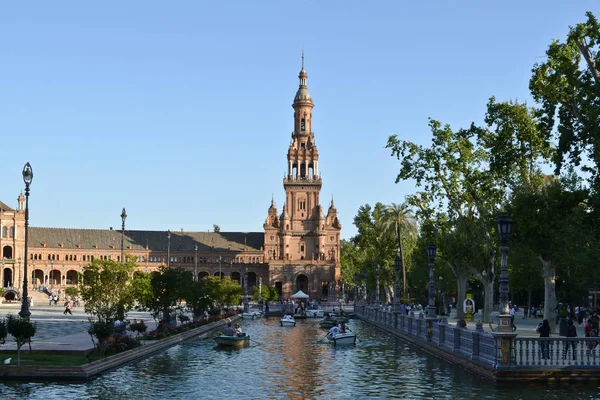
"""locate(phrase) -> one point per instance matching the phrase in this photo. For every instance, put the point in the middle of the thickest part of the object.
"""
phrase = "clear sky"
(181, 111)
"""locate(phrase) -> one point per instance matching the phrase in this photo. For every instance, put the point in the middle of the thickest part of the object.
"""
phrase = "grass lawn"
(45, 359)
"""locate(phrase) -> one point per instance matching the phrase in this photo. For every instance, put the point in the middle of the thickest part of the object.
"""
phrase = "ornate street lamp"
(504, 226)
(51, 274)
(168, 248)
(27, 178)
(196, 263)
(123, 218)
(431, 305)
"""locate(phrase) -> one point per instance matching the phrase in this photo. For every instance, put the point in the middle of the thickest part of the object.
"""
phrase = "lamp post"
(27, 178)
(17, 283)
(377, 301)
(123, 218)
(196, 263)
(431, 312)
(220, 273)
(504, 225)
(168, 248)
(33, 273)
(51, 275)
(397, 265)
(2, 271)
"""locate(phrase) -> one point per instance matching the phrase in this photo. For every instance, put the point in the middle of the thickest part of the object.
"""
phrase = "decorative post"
(260, 302)
(27, 178)
(504, 224)
(431, 312)
(123, 218)
(51, 275)
(377, 301)
(168, 248)
(505, 336)
(196, 263)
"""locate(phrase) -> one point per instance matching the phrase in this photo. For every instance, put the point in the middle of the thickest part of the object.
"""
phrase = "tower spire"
(302, 59)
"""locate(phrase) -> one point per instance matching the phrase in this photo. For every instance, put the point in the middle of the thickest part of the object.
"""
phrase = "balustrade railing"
(486, 348)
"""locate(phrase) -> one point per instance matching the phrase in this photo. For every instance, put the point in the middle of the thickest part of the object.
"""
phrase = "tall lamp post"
(431, 305)
(51, 275)
(196, 263)
(504, 225)
(168, 248)
(27, 178)
(123, 218)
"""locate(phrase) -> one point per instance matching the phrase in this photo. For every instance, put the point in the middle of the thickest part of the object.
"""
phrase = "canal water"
(292, 363)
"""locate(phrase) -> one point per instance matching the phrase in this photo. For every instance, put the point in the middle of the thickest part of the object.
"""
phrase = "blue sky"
(181, 111)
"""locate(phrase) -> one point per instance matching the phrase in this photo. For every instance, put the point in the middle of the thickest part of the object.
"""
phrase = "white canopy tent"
(300, 295)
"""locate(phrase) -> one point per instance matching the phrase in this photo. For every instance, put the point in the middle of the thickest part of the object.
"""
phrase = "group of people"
(229, 331)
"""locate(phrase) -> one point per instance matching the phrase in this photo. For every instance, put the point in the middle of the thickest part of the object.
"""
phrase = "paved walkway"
(525, 327)
(56, 331)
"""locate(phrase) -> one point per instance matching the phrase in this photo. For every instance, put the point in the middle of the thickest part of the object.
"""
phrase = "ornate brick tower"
(302, 244)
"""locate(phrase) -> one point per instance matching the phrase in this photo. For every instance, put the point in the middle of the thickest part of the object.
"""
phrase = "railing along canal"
(495, 351)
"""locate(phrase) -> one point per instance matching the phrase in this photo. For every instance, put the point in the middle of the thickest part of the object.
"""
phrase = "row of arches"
(38, 277)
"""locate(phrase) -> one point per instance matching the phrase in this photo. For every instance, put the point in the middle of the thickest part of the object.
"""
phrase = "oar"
(258, 343)
(320, 340)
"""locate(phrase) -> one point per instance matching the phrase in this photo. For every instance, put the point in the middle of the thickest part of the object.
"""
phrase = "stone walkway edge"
(91, 370)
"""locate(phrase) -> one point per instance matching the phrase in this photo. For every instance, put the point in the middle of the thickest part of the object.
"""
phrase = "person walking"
(571, 333)
(67, 308)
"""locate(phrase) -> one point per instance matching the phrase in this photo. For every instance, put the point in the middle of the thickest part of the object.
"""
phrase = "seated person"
(461, 323)
(334, 331)
(343, 328)
(228, 331)
(238, 330)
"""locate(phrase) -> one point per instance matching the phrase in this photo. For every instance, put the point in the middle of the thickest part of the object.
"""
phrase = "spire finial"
(302, 58)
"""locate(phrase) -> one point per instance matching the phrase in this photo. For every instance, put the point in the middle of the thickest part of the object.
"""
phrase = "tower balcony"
(302, 180)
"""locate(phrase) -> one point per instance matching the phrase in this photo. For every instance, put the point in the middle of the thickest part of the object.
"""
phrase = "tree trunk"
(398, 232)
(549, 276)
(488, 301)
(461, 294)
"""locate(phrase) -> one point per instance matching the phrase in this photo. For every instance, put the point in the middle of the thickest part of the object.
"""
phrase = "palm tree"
(398, 219)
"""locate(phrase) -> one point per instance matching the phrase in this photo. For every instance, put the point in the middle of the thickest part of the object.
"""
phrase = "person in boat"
(238, 330)
(228, 331)
(287, 316)
(335, 330)
(343, 328)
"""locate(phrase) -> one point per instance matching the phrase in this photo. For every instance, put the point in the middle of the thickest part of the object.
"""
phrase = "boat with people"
(287, 320)
(347, 337)
(328, 322)
(251, 315)
(233, 341)
(316, 312)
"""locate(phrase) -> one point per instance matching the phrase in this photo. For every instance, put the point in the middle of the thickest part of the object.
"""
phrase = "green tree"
(72, 291)
(22, 330)
(167, 292)
(105, 289)
(216, 228)
(566, 86)
(3, 331)
(398, 220)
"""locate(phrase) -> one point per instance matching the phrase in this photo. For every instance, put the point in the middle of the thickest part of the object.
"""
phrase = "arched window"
(303, 125)
(4, 231)
(12, 231)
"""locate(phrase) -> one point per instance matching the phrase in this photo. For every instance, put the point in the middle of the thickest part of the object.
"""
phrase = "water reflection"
(291, 363)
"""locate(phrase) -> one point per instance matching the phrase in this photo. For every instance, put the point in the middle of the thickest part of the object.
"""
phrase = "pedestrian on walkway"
(67, 308)
(571, 333)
